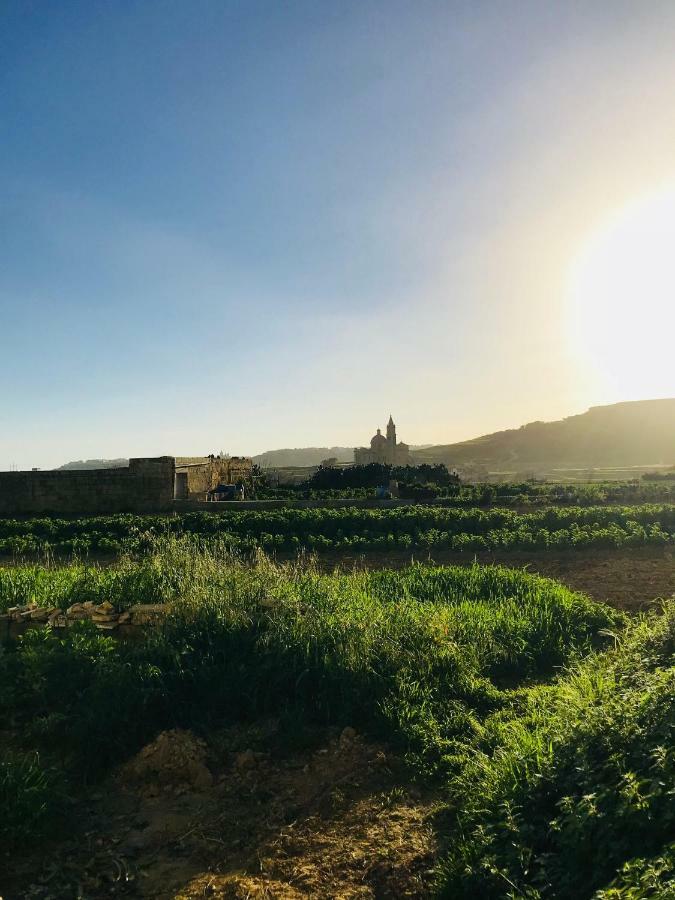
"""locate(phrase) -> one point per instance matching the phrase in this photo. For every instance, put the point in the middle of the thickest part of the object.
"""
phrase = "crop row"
(355, 530)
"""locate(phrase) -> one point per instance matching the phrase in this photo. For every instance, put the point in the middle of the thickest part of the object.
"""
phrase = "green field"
(545, 718)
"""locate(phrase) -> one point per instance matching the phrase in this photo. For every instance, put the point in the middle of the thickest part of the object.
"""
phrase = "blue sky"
(246, 225)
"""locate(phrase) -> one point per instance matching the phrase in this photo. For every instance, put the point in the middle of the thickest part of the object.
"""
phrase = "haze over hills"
(96, 464)
(302, 456)
(634, 433)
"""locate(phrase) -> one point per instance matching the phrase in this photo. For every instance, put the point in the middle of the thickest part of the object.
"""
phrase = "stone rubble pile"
(103, 615)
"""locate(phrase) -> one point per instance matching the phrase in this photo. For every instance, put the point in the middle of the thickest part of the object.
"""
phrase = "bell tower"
(391, 441)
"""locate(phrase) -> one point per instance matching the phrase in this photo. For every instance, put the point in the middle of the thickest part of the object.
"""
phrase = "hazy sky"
(246, 225)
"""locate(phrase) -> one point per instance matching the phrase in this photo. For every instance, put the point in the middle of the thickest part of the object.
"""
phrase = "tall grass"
(419, 656)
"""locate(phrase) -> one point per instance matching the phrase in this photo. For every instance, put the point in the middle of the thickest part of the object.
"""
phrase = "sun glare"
(622, 299)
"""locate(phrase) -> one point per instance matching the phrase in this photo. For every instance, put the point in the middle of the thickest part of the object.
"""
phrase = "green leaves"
(589, 771)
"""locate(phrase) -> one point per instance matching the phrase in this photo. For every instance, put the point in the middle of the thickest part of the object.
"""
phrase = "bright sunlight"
(622, 298)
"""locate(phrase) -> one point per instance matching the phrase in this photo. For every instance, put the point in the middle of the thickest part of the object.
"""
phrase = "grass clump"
(575, 797)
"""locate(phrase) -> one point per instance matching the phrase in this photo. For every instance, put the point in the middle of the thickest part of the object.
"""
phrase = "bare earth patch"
(338, 822)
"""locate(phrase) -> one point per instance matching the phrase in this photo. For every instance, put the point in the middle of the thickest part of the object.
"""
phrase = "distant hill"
(302, 456)
(96, 464)
(637, 433)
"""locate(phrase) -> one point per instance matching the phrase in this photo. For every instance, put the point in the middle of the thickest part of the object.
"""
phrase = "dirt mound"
(175, 760)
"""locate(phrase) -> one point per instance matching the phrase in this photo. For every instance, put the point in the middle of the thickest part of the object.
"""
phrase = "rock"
(41, 614)
(103, 620)
(75, 611)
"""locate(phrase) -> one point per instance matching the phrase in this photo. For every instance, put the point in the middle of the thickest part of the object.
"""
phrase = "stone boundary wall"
(105, 617)
(145, 485)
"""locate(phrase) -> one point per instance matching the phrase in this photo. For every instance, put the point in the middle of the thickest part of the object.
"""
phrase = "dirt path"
(338, 822)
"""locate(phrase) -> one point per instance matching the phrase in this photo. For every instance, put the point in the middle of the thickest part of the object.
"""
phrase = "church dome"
(378, 440)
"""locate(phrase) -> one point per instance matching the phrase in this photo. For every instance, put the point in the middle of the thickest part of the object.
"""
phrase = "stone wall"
(130, 623)
(145, 485)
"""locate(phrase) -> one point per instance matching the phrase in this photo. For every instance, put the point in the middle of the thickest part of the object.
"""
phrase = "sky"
(246, 225)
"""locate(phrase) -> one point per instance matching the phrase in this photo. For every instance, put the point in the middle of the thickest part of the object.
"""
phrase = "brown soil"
(338, 822)
(630, 580)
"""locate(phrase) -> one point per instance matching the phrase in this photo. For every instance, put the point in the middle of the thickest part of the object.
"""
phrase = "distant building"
(383, 449)
(196, 476)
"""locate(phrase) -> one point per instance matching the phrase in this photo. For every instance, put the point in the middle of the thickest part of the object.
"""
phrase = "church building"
(383, 449)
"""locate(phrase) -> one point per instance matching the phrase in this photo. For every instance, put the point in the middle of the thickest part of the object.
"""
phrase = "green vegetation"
(656, 489)
(30, 797)
(355, 530)
(577, 793)
(420, 657)
(373, 474)
(549, 718)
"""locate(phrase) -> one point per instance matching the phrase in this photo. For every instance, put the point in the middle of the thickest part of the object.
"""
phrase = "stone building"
(196, 476)
(383, 449)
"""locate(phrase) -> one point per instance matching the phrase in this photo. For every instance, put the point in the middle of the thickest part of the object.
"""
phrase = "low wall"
(184, 506)
(145, 485)
(128, 624)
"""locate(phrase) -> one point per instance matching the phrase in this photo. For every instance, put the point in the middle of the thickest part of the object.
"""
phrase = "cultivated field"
(355, 530)
(341, 723)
